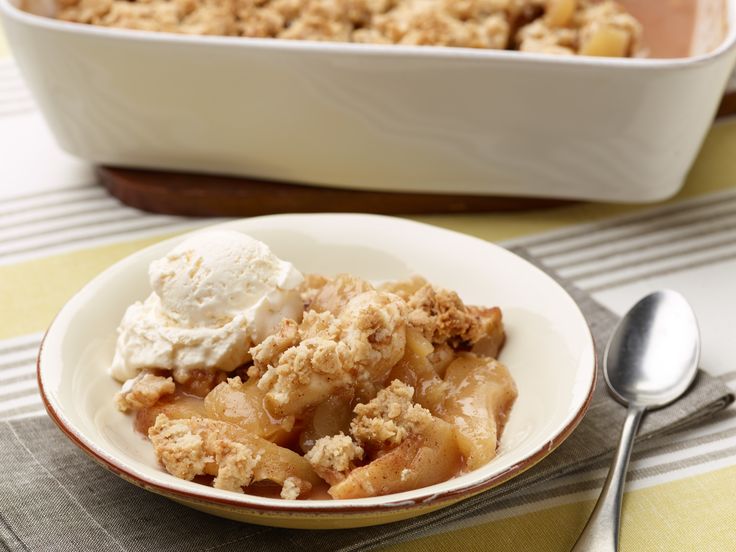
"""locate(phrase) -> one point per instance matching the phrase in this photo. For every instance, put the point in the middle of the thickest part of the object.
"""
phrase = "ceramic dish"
(432, 119)
(549, 351)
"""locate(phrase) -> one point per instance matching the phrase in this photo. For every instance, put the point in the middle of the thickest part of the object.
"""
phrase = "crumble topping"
(442, 317)
(390, 417)
(320, 324)
(325, 294)
(353, 350)
(305, 375)
(550, 26)
(310, 287)
(333, 457)
(202, 446)
(178, 448)
(294, 487)
(542, 38)
(186, 446)
(582, 27)
(374, 333)
(143, 391)
(235, 465)
(270, 349)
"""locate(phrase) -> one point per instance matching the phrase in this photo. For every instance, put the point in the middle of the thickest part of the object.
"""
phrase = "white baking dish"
(373, 117)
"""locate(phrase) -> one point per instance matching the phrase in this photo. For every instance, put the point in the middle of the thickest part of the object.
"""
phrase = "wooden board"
(208, 195)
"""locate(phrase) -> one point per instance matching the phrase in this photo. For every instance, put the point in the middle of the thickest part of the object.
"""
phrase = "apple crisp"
(143, 390)
(589, 27)
(374, 390)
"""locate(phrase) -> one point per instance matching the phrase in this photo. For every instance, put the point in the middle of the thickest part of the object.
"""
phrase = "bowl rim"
(10, 10)
(353, 507)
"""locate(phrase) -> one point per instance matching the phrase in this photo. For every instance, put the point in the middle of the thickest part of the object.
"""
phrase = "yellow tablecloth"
(693, 513)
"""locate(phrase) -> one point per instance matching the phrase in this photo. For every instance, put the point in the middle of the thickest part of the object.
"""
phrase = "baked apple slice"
(424, 458)
(415, 370)
(480, 395)
(241, 403)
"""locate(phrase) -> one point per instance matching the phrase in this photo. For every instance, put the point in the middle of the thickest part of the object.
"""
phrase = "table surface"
(58, 229)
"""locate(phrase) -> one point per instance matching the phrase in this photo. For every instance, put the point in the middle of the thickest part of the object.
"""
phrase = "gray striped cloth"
(54, 498)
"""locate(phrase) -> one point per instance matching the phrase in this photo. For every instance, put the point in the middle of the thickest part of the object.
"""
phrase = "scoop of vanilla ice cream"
(215, 295)
(214, 276)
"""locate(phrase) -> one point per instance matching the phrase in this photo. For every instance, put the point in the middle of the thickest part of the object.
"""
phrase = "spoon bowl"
(652, 357)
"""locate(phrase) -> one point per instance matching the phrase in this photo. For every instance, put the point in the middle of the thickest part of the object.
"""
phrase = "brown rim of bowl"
(404, 504)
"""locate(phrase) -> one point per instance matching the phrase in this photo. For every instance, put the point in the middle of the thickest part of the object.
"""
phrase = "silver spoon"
(650, 361)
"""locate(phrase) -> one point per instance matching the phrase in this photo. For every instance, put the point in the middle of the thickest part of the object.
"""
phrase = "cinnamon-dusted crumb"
(390, 417)
(178, 448)
(143, 391)
(187, 446)
(236, 463)
(404, 288)
(354, 350)
(431, 23)
(373, 330)
(306, 374)
(333, 457)
(460, 23)
(541, 38)
(267, 352)
(320, 324)
(442, 317)
(194, 446)
(294, 487)
(332, 294)
(312, 283)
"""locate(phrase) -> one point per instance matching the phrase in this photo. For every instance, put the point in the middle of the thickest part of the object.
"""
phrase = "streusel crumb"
(188, 447)
(179, 448)
(294, 487)
(353, 351)
(442, 317)
(236, 463)
(333, 457)
(390, 417)
(332, 294)
(143, 391)
(270, 349)
(306, 374)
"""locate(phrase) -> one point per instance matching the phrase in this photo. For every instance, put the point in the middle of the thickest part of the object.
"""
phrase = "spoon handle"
(601, 531)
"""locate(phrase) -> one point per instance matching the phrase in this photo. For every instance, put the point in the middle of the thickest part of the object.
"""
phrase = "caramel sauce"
(674, 28)
(668, 25)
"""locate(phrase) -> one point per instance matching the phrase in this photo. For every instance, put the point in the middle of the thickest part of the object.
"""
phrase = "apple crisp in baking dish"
(587, 27)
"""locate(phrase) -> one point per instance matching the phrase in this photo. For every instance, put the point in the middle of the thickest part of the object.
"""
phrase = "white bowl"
(432, 119)
(549, 351)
